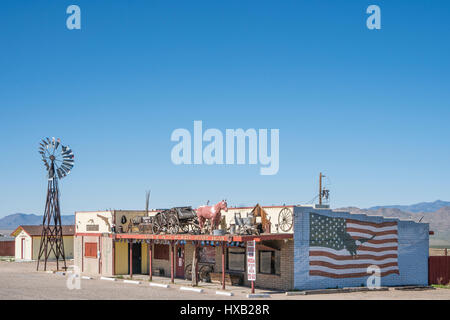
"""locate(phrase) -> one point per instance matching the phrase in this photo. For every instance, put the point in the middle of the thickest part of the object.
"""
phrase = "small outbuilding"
(28, 240)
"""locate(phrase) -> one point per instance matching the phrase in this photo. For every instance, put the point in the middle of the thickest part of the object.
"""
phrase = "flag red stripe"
(349, 257)
(364, 248)
(373, 241)
(348, 275)
(373, 224)
(351, 266)
(380, 233)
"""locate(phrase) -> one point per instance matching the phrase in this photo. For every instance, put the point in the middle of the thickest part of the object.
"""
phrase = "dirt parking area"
(20, 280)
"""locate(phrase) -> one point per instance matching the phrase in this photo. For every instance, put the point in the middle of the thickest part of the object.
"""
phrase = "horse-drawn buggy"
(169, 221)
(176, 220)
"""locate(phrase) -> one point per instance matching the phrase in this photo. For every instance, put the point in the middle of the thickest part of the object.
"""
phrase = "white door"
(23, 248)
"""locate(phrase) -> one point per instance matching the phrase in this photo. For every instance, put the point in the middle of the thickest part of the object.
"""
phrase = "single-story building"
(28, 241)
(320, 248)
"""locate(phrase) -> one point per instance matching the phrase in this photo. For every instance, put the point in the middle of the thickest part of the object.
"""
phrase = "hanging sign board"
(251, 260)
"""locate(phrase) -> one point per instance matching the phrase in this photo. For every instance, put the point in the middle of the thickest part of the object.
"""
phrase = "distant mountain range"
(418, 207)
(436, 213)
(12, 221)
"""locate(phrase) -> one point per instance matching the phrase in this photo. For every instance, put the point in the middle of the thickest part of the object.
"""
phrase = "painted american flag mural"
(344, 248)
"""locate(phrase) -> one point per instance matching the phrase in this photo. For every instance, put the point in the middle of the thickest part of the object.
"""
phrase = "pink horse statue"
(212, 213)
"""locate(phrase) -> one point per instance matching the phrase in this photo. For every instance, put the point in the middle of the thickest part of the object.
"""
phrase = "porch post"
(223, 265)
(130, 243)
(194, 268)
(172, 262)
(114, 256)
(150, 258)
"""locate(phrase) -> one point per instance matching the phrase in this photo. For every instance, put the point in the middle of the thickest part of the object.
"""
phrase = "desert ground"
(20, 280)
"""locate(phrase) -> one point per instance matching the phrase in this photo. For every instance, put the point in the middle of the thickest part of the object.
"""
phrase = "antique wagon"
(176, 220)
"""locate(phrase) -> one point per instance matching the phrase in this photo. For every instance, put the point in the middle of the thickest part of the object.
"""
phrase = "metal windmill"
(58, 160)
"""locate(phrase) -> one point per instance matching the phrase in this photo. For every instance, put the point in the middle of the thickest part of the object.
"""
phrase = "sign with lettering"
(92, 227)
(251, 260)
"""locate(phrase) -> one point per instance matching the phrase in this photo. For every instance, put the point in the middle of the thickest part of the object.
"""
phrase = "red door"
(179, 260)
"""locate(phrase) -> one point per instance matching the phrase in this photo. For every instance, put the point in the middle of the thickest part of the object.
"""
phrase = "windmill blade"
(65, 167)
(69, 151)
(57, 143)
(48, 140)
(66, 170)
(67, 164)
(58, 172)
(63, 170)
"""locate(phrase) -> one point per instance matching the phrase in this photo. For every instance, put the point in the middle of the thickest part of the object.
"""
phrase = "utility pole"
(320, 188)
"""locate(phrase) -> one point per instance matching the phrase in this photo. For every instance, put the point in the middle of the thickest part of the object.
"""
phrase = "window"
(269, 262)
(161, 251)
(236, 259)
(90, 249)
(207, 255)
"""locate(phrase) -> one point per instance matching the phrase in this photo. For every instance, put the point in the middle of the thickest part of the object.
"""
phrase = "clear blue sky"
(369, 108)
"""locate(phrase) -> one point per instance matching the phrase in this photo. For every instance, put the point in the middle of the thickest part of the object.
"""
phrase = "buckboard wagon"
(169, 221)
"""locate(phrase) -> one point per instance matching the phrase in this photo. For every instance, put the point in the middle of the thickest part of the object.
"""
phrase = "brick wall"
(283, 281)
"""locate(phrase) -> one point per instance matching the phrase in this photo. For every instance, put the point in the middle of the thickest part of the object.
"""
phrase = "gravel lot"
(20, 280)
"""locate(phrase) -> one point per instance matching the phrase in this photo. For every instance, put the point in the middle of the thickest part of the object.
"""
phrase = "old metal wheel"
(155, 227)
(285, 219)
(195, 228)
(188, 272)
(184, 227)
(204, 273)
(172, 224)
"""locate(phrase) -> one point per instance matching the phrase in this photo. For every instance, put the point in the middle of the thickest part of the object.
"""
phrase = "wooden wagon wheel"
(188, 272)
(285, 219)
(205, 273)
(156, 226)
(195, 228)
(184, 227)
(173, 224)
